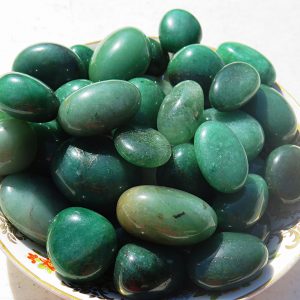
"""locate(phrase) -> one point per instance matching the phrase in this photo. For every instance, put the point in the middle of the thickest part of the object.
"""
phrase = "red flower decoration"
(32, 257)
(47, 263)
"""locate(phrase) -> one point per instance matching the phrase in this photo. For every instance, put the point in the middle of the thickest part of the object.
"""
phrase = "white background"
(271, 26)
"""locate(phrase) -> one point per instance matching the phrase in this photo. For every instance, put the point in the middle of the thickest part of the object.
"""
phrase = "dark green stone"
(233, 52)
(221, 157)
(261, 229)
(180, 113)
(177, 29)
(85, 54)
(227, 260)
(81, 244)
(147, 271)
(51, 63)
(143, 147)
(233, 86)
(30, 202)
(165, 216)
(26, 98)
(99, 107)
(257, 166)
(124, 54)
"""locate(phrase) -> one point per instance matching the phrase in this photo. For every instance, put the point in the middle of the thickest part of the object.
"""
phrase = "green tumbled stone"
(30, 202)
(164, 84)
(221, 157)
(51, 63)
(179, 28)
(81, 244)
(26, 98)
(143, 147)
(124, 54)
(99, 107)
(227, 260)
(233, 86)
(233, 52)
(261, 229)
(85, 54)
(165, 216)
(257, 166)
(208, 115)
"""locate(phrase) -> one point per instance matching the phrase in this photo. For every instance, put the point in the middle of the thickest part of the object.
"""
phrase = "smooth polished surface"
(85, 54)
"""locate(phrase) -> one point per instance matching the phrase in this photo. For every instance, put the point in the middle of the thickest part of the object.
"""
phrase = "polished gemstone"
(85, 54)
(208, 114)
(164, 84)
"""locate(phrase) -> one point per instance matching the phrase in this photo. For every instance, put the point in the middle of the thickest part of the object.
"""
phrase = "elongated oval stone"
(233, 86)
(233, 52)
(30, 202)
(165, 216)
(227, 260)
(180, 112)
(99, 107)
(221, 157)
(85, 54)
(51, 63)
(164, 84)
(123, 55)
(81, 244)
(26, 98)
(143, 147)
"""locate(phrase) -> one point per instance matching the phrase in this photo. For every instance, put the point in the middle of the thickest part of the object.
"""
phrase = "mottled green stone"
(221, 157)
(145, 271)
(51, 63)
(257, 166)
(165, 216)
(180, 113)
(233, 52)
(164, 84)
(208, 114)
(233, 86)
(227, 260)
(261, 229)
(81, 244)
(177, 29)
(26, 98)
(85, 54)
(124, 54)
(143, 147)
(99, 107)
(30, 202)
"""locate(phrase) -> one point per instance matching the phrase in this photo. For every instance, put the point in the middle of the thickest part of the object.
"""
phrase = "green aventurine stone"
(85, 54)
(143, 147)
(244, 208)
(165, 216)
(180, 113)
(164, 84)
(233, 86)
(51, 63)
(145, 271)
(195, 62)
(124, 54)
(26, 98)
(227, 260)
(30, 202)
(99, 107)
(179, 28)
(81, 244)
(233, 52)
(283, 172)
(221, 157)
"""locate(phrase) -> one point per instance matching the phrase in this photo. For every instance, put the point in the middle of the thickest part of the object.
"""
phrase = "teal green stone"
(143, 147)
(90, 173)
(164, 84)
(151, 99)
(81, 244)
(195, 62)
(244, 208)
(165, 216)
(51, 63)
(233, 86)
(124, 54)
(177, 29)
(227, 260)
(261, 229)
(99, 107)
(221, 157)
(85, 54)
(30, 202)
(283, 173)
(233, 52)
(26, 98)
(208, 114)
(147, 271)
(257, 166)
(180, 113)
(70, 87)
(18, 146)
(274, 114)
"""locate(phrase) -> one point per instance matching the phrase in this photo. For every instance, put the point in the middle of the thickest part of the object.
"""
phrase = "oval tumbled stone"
(221, 157)
(85, 54)
(165, 216)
